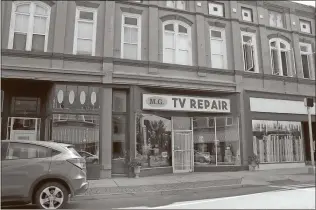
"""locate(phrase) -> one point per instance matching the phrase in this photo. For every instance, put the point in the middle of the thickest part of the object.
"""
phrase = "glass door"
(23, 128)
(182, 144)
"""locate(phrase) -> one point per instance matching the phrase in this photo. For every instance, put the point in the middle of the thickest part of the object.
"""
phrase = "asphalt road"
(157, 201)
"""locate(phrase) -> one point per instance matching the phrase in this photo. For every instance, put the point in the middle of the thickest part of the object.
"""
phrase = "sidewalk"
(191, 182)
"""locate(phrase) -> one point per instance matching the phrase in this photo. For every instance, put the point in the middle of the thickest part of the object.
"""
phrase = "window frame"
(94, 32)
(139, 32)
(176, 4)
(282, 18)
(210, 4)
(306, 22)
(49, 150)
(176, 24)
(310, 59)
(30, 30)
(249, 11)
(255, 51)
(224, 46)
(290, 67)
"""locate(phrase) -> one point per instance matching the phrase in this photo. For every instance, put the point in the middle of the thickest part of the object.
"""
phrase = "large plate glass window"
(29, 26)
(218, 48)
(85, 31)
(278, 141)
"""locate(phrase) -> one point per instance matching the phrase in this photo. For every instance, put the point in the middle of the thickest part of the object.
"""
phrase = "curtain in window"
(248, 57)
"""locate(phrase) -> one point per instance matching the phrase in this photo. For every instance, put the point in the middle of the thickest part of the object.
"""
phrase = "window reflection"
(153, 136)
(82, 131)
(118, 139)
(119, 101)
(277, 141)
(216, 141)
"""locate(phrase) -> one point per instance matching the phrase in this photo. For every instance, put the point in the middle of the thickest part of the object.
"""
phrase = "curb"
(155, 193)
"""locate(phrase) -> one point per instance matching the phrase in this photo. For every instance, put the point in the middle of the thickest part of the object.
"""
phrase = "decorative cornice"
(87, 4)
(176, 17)
(217, 24)
(131, 10)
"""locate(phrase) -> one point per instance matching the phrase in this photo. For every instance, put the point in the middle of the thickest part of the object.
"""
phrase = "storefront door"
(182, 144)
(23, 128)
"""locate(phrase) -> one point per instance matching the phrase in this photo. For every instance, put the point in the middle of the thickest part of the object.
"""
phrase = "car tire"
(44, 197)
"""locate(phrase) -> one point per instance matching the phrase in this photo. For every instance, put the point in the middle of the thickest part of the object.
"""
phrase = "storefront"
(279, 131)
(185, 131)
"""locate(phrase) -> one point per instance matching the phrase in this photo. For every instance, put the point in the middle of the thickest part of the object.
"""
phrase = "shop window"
(82, 134)
(119, 137)
(246, 14)
(277, 141)
(216, 9)
(153, 140)
(85, 31)
(72, 98)
(25, 105)
(218, 143)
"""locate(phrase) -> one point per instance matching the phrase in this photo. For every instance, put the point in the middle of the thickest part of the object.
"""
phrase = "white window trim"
(217, 4)
(224, 43)
(307, 23)
(94, 32)
(310, 59)
(29, 36)
(176, 4)
(254, 44)
(244, 9)
(176, 24)
(139, 27)
(290, 68)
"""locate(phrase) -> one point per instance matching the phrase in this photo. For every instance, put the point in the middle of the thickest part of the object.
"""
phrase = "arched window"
(29, 26)
(177, 47)
(281, 57)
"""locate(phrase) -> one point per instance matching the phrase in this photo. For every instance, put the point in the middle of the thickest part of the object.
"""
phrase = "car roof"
(51, 144)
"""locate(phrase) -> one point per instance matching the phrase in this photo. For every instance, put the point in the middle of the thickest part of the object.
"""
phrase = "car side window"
(26, 151)
(4, 148)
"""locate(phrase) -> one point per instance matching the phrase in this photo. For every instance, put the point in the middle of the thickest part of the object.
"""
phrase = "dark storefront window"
(119, 131)
(216, 141)
(153, 136)
(277, 141)
(76, 119)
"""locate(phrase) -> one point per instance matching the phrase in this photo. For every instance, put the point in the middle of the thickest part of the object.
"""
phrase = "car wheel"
(51, 195)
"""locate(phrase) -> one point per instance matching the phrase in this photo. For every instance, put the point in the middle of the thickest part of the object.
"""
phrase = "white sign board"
(183, 103)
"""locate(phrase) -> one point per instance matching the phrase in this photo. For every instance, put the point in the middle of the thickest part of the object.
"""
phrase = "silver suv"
(40, 172)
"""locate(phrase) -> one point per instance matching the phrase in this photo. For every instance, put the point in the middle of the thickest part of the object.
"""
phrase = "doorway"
(182, 145)
(23, 128)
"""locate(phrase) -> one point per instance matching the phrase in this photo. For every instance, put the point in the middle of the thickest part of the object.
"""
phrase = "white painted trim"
(223, 39)
(254, 41)
(309, 59)
(176, 24)
(139, 28)
(29, 34)
(266, 105)
(94, 26)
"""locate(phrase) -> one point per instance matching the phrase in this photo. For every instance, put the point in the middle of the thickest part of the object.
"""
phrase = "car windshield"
(73, 151)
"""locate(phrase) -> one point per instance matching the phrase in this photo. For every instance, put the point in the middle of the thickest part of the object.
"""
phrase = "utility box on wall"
(309, 102)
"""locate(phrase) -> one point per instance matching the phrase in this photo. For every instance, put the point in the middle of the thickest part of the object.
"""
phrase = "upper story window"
(216, 8)
(85, 31)
(177, 47)
(29, 26)
(218, 48)
(246, 14)
(305, 26)
(307, 60)
(176, 4)
(131, 36)
(281, 57)
(249, 49)
(276, 19)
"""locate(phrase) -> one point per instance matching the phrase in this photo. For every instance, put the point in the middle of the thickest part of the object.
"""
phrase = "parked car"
(40, 172)
(90, 158)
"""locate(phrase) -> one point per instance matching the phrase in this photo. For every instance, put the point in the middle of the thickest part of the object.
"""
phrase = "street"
(254, 197)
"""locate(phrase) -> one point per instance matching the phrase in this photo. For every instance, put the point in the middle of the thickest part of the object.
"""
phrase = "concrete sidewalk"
(191, 182)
